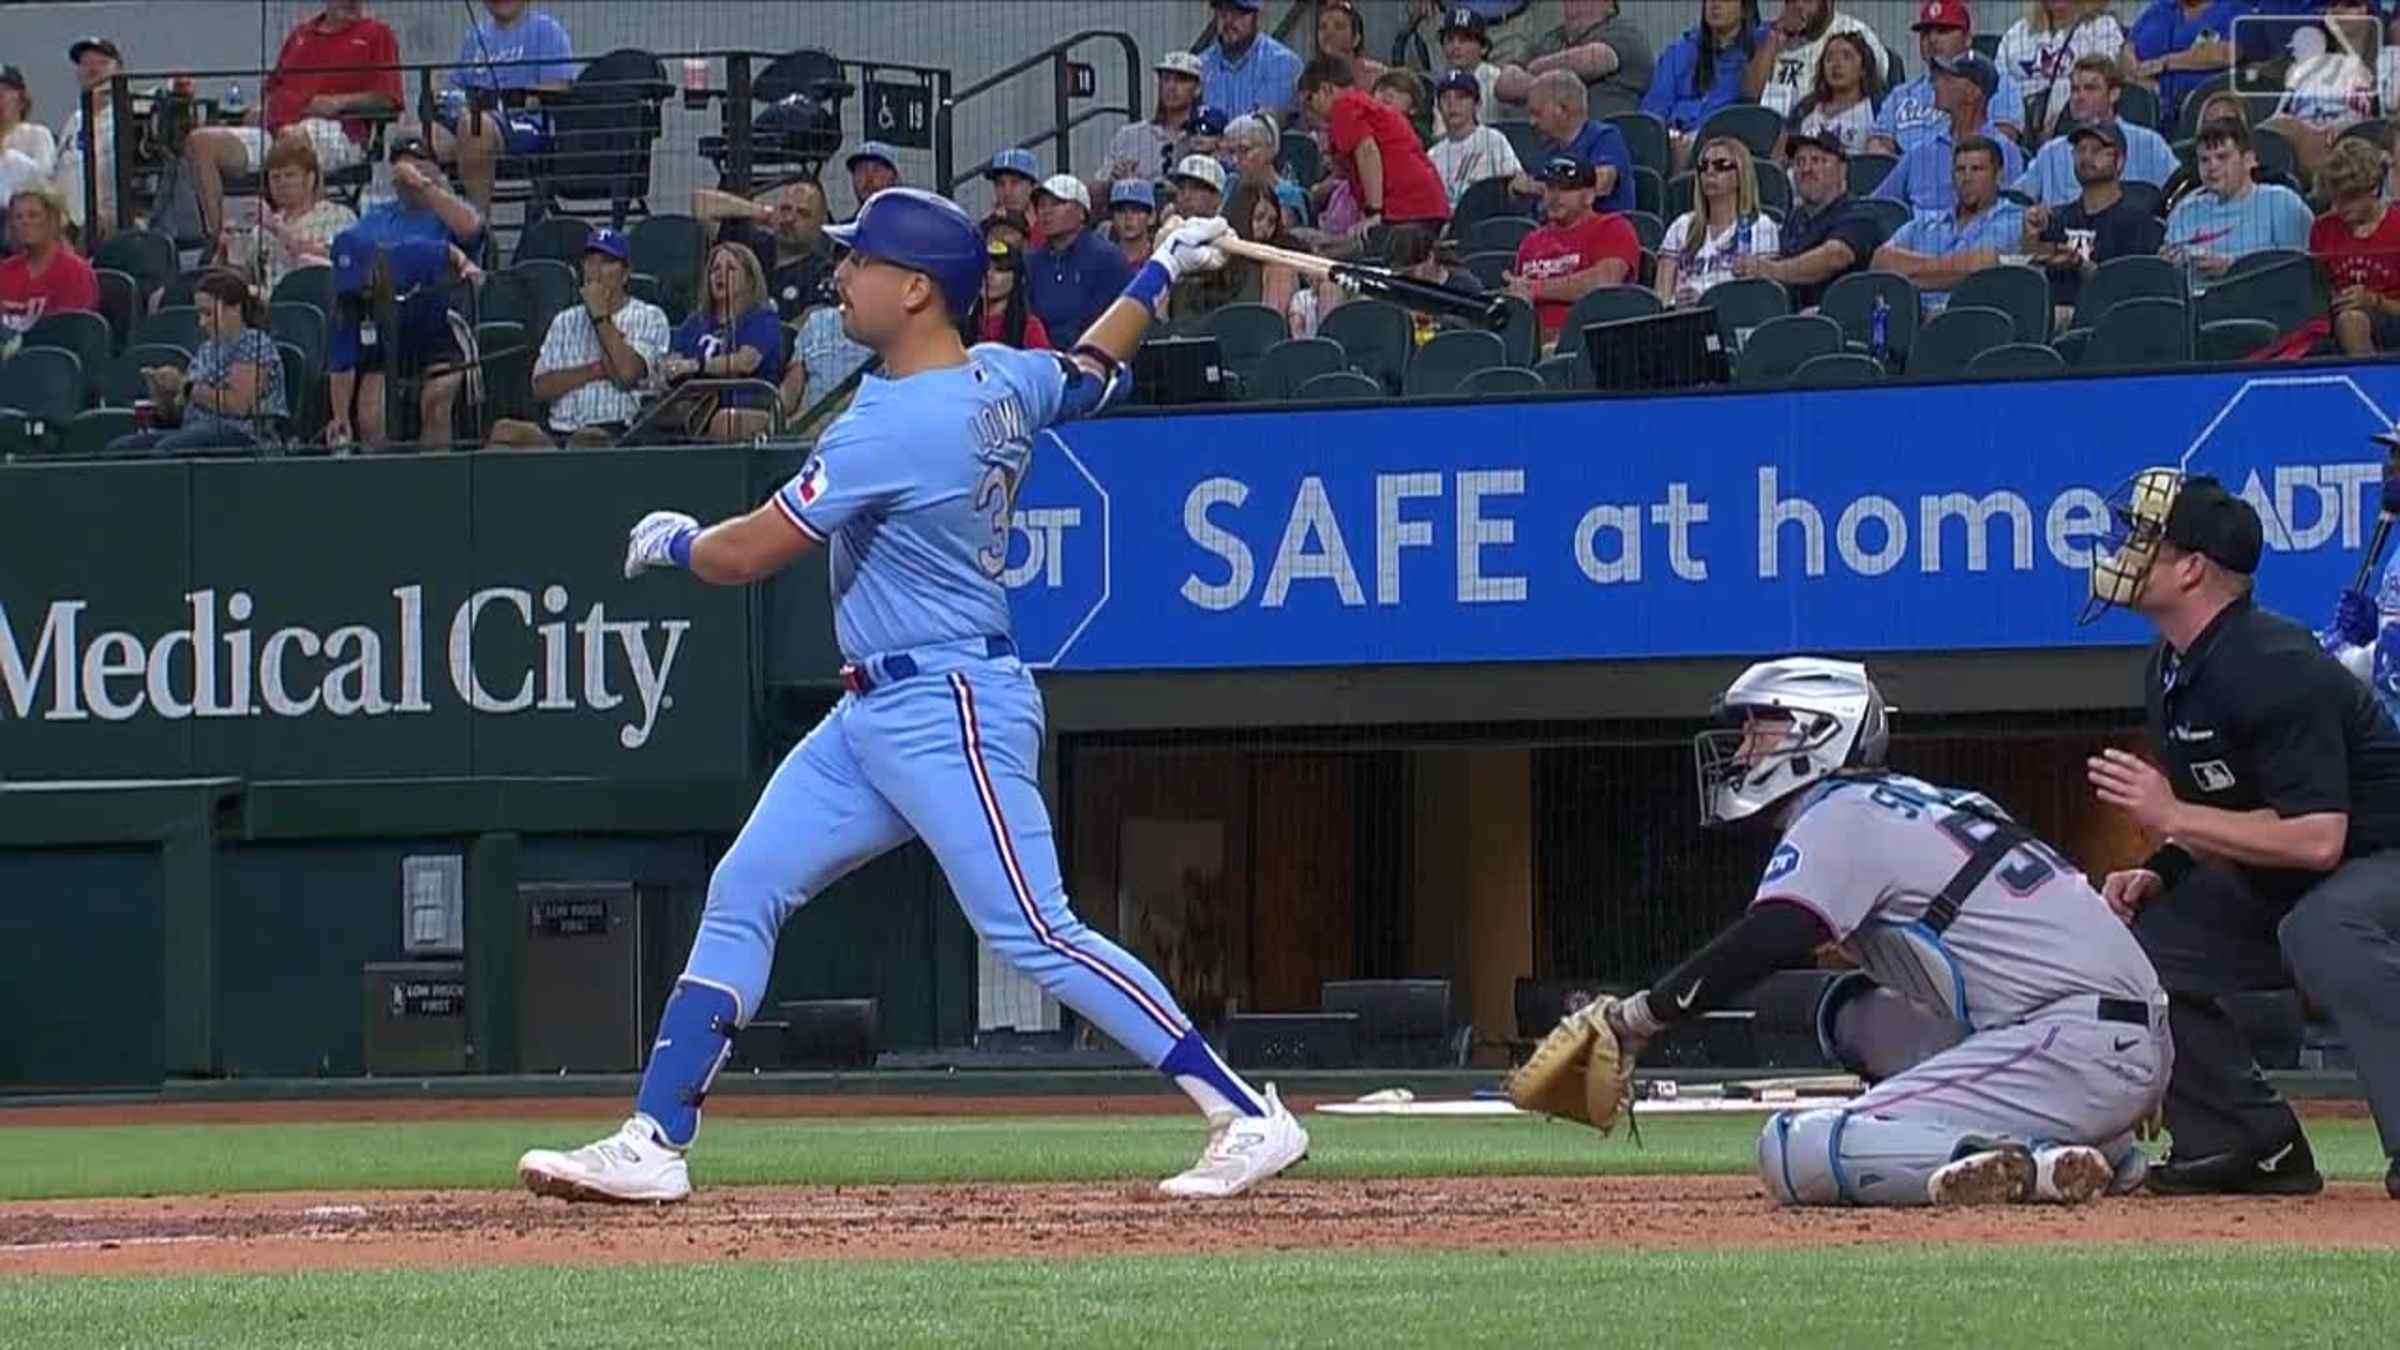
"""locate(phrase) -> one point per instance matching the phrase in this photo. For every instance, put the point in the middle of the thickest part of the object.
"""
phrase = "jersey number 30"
(996, 500)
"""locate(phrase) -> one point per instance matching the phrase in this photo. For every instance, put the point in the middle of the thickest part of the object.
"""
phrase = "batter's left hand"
(1185, 250)
(2131, 785)
(653, 536)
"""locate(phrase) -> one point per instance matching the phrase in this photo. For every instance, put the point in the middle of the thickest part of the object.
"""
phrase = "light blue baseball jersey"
(911, 491)
(2050, 179)
(2378, 663)
(1909, 117)
(2269, 215)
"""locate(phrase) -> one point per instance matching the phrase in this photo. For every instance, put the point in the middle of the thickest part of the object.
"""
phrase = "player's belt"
(876, 671)
(2131, 1011)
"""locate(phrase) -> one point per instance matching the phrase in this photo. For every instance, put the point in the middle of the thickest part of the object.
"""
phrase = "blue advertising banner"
(1900, 519)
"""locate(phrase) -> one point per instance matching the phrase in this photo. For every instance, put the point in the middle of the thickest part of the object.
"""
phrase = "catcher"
(2012, 1031)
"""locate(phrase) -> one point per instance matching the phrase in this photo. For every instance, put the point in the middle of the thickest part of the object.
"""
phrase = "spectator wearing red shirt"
(44, 276)
(1575, 250)
(1396, 182)
(2359, 241)
(315, 82)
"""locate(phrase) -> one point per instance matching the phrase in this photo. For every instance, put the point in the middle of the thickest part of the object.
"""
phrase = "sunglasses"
(1719, 165)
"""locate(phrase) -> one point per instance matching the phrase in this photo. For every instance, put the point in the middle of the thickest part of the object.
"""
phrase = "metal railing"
(1064, 119)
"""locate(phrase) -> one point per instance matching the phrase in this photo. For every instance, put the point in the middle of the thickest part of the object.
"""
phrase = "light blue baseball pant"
(948, 756)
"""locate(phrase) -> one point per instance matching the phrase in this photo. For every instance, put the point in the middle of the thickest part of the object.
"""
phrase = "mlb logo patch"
(812, 482)
(2212, 775)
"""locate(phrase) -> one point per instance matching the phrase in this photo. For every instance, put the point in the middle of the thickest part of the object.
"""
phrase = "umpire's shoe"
(2287, 1169)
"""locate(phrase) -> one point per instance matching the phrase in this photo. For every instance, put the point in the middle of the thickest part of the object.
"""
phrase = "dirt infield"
(255, 1233)
(1165, 1102)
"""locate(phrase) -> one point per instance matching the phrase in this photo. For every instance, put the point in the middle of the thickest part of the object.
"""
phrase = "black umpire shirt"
(2257, 715)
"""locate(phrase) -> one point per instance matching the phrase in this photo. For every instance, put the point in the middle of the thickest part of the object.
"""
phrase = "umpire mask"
(2137, 523)
(1790, 723)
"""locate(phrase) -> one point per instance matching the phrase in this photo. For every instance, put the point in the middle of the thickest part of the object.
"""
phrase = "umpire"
(2280, 815)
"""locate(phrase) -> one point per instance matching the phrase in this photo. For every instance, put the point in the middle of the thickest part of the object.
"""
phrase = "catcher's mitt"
(1579, 1071)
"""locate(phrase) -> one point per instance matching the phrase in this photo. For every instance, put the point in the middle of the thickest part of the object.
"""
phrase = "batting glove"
(1185, 250)
(660, 539)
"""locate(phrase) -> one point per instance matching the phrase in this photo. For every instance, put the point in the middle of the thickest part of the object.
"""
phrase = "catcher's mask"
(1789, 723)
(2137, 524)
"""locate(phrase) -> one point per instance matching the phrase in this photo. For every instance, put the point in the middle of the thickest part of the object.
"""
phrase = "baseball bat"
(2388, 509)
(1491, 311)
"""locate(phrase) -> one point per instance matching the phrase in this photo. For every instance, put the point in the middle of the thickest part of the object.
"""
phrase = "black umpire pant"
(2339, 942)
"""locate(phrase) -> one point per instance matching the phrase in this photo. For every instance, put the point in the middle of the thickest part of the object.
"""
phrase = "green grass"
(2031, 1297)
(46, 1162)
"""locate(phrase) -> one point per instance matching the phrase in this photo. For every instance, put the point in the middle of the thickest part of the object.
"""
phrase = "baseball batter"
(2011, 1029)
(911, 492)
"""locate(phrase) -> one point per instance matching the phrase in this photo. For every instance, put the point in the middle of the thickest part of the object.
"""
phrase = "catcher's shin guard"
(694, 1036)
(1831, 1156)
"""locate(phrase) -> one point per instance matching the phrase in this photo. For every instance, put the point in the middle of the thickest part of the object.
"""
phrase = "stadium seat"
(78, 331)
(1521, 333)
(45, 383)
(2141, 332)
(604, 128)
(299, 393)
(1850, 302)
(25, 436)
(1649, 191)
(1488, 265)
(1606, 304)
(179, 325)
(508, 356)
(1527, 142)
(2022, 293)
(1339, 385)
(1778, 346)
(1289, 364)
(1648, 229)
(1868, 171)
(1753, 124)
(2263, 258)
(644, 286)
(2287, 294)
(1302, 159)
(1745, 304)
(1376, 335)
(1499, 234)
(120, 382)
(145, 255)
(1679, 197)
(180, 289)
(1774, 187)
(1646, 139)
(1955, 337)
(301, 324)
(1448, 358)
(309, 285)
(2017, 358)
(2187, 118)
(2233, 339)
(120, 304)
(559, 238)
(1244, 333)
(1567, 372)
(88, 434)
(1485, 200)
(672, 248)
(1503, 380)
(552, 286)
(2138, 104)
(795, 140)
(2141, 196)
(1888, 216)
(2121, 279)
(1837, 370)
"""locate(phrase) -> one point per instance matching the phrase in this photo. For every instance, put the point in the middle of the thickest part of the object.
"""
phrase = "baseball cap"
(1970, 67)
(1248, 6)
(874, 150)
(79, 46)
(1943, 14)
(2107, 131)
(2214, 523)
(610, 243)
(1464, 20)
(1067, 188)
(1458, 82)
(1180, 62)
(1824, 138)
(1018, 161)
(1201, 169)
(1566, 172)
(1207, 121)
(411, 147)
(1133, 192)
(353, 256)
(12, 76)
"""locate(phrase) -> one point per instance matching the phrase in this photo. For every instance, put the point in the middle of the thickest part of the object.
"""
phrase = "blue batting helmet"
(915, 229)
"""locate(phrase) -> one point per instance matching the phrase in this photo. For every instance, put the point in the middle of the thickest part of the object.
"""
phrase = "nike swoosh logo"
(1685, 1002)
(2275, 1159)
(2126, 1044)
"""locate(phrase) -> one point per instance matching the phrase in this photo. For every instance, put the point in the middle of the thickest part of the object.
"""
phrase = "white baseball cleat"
(2070, 1174)
(1242, 1152)
(628, 1167)
(1995, 1176)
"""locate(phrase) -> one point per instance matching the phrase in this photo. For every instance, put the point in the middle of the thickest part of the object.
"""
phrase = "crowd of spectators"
(2059, 142)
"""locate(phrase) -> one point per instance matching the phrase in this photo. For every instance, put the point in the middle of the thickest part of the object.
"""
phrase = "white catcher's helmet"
(1836, 721)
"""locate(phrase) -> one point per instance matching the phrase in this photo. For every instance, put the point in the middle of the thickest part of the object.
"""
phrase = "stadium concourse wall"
(1389, 690)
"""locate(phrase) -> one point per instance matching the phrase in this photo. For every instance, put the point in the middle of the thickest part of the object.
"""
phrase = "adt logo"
(1057, 570)
(2296, 448)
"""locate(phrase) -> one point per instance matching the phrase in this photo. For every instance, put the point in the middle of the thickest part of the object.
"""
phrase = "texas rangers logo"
(812, 481)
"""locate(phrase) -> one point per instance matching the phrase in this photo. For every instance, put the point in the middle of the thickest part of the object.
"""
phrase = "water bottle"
(1879, 328)
(232, 104)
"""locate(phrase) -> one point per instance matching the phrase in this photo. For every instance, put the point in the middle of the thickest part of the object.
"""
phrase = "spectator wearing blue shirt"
(1244, 70)
(734, 335)
(2179, 45)
(1701, 71)
(2092, 99)
(1938, 249)
(421, 206)
(2231, 214)
(427, 340)
(1963, 87)
(504, 62)
(1075, 274)
(1909, 117)
(1556, 109)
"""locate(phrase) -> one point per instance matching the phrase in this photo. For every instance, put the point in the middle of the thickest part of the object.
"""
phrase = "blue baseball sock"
(694, 1036)
(1217, 1088)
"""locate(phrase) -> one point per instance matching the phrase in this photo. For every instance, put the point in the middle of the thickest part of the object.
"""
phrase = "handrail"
(1063, 118)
